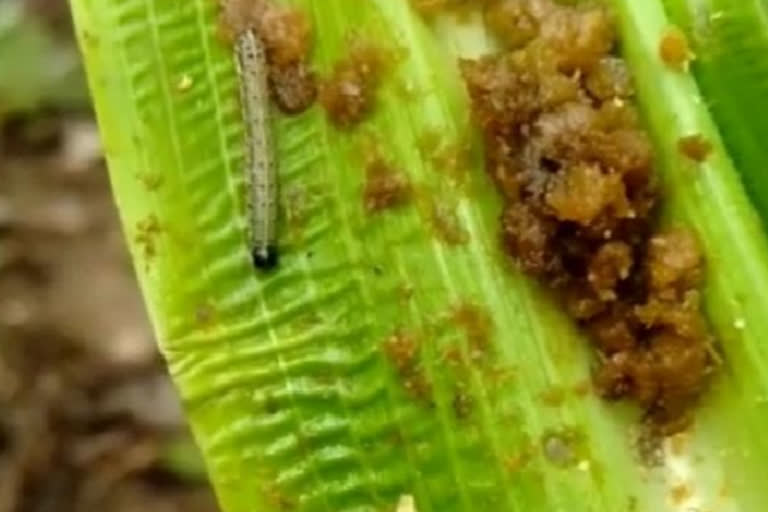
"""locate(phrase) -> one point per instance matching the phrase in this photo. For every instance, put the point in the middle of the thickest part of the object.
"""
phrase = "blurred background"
(88, 418)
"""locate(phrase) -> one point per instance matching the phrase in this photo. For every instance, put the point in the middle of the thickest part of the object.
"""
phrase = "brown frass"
(674, 49)
(349, 93)
(695, 147)
(566, 150)
(403, 349)
(287, 36)
(385, 186)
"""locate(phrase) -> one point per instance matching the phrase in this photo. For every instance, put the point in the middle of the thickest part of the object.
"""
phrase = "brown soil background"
(89, 420)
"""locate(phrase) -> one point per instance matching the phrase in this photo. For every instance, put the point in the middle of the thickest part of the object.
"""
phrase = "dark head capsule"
(265, 258)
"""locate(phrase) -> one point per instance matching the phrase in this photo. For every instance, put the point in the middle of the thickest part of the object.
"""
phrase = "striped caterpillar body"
(260, 163)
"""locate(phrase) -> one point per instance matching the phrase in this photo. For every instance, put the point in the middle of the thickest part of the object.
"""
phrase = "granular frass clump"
(566, 151)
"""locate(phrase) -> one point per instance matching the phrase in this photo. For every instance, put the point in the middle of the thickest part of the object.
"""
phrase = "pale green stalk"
(730, 40)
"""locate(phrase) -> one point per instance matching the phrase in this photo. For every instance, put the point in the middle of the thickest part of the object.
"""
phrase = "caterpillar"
(260, 168)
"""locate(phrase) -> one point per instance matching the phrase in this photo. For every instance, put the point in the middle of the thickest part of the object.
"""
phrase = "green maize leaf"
(286, 378)
(730, 40)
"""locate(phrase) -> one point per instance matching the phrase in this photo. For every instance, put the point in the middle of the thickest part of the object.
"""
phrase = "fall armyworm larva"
(260, 168)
